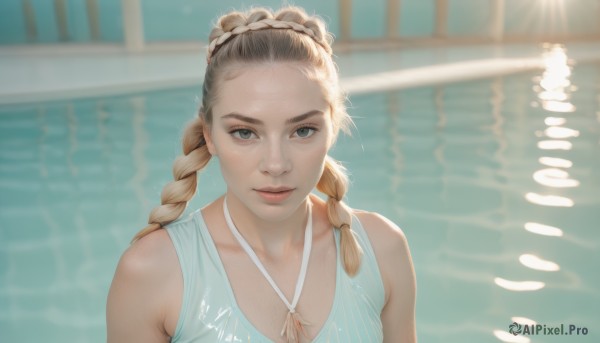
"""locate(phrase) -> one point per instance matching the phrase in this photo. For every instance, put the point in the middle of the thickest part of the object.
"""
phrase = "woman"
(269, 260)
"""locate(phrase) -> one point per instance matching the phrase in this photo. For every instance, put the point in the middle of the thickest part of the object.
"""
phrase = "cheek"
(235, 169)
(233, 161)
(313, 161)
(320, 151)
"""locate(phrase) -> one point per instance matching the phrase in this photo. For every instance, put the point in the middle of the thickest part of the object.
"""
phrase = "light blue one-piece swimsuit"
(210, 314)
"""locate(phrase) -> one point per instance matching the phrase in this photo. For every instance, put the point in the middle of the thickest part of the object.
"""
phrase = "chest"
(259, 302)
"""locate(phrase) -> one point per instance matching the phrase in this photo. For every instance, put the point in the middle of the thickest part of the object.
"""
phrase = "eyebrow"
(255, 121)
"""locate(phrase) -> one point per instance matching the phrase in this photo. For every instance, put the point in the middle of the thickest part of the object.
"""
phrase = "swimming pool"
(494, 182)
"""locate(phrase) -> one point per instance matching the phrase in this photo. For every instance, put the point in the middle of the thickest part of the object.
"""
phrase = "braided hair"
(258, 36)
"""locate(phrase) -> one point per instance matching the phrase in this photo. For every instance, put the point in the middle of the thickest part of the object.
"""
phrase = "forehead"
(280, 89)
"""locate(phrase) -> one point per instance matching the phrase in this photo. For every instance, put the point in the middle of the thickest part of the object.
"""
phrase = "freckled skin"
(146, 295)
(273, 154)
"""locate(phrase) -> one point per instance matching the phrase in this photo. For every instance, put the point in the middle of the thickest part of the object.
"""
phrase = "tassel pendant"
(293, 327)
(294, 324)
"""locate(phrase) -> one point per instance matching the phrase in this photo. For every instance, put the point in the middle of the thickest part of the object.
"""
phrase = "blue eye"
(304, 132)
(244, 134)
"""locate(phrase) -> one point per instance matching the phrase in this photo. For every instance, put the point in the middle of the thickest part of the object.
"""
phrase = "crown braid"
(291, 18)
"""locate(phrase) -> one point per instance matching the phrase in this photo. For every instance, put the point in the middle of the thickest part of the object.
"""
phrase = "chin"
(270, 213)
(277, 211)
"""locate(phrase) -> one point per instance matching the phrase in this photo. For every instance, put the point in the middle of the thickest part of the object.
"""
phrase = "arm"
(395, 263)
(137, 308)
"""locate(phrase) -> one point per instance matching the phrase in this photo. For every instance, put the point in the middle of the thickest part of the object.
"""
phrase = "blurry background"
(101, 21)
(478, 128)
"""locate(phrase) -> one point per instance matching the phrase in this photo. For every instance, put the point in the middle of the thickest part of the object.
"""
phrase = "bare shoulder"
(149, 259)
(395, 263)
(389, 244)
(145, 292)
(150, 255)
(384, 234)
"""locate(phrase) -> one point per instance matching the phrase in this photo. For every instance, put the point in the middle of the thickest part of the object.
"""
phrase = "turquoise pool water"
(190, 20)
(495, 187)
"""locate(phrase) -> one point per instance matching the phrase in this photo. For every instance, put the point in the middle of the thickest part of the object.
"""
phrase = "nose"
(276, 160)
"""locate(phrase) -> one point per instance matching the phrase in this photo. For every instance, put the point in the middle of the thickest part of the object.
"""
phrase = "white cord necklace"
(294, 324)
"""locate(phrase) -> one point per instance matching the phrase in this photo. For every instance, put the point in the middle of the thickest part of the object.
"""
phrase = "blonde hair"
(253, 37)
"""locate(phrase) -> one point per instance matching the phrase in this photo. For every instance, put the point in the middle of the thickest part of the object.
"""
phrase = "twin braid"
(176, 194)
(334, 184)
(291, 18)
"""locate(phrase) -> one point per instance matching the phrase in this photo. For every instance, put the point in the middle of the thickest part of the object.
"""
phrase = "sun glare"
(519, 286)
(544, 230)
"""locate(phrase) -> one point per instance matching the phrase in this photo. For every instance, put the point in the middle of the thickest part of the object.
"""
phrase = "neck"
(273, 237)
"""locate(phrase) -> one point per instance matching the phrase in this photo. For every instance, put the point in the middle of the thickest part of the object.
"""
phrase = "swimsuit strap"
(305, 256)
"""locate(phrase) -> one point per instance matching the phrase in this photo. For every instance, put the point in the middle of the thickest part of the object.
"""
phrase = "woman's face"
(271, 127)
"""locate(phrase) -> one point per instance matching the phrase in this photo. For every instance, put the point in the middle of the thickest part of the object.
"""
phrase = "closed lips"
(274, 190)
